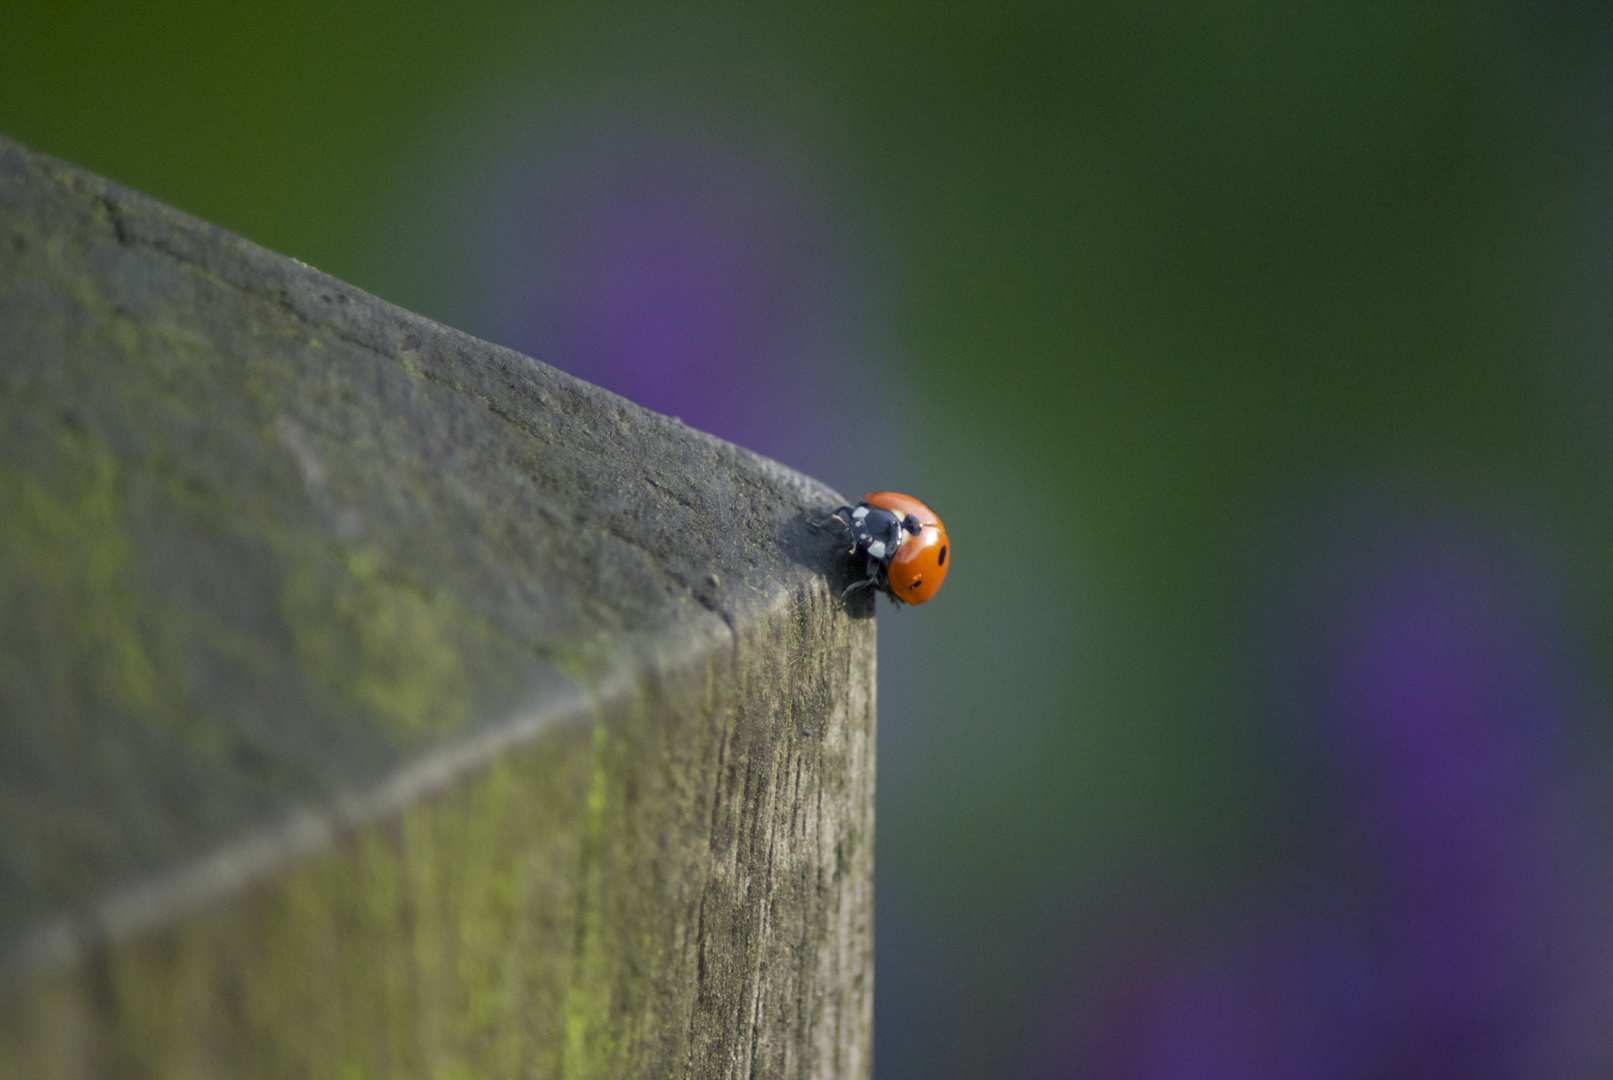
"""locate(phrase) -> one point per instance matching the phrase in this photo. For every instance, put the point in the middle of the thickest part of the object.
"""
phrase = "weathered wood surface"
(377, 702)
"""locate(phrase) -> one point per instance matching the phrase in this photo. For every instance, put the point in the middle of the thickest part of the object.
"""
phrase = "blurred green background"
(1140, 291)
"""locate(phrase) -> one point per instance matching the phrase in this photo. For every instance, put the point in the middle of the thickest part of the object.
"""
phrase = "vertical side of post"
(678, 885)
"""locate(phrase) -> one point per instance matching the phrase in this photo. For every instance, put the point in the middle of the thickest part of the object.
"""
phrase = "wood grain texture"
(375, 701)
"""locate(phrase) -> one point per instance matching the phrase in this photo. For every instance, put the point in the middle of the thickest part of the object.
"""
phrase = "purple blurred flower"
(1279, 998)
(1443, 682)
(704, 277)
(1435, 923)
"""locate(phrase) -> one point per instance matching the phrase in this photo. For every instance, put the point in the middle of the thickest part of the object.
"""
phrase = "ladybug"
(904, 542)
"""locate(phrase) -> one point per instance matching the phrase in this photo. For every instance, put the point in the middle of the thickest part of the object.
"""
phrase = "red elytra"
(919, 566)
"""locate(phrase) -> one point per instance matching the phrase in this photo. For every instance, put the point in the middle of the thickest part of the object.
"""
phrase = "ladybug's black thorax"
(876, 532)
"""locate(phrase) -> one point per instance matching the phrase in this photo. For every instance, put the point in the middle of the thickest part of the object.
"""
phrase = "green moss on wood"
(71, 610)
(385, 641)
(64, 551)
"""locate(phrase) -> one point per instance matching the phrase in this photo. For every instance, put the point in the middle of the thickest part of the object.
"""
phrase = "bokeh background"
(1258, 355)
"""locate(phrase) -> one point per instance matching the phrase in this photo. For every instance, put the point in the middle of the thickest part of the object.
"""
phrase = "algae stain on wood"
(68, 599)
(589, 1047)
(67, 540)
(386, 642)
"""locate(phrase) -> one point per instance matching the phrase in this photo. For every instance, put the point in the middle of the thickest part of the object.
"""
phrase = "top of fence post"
(376, 701)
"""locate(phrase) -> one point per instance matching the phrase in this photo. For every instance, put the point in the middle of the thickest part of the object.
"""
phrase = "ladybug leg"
(844, 524)
(874, 578)
(855, 585)
(835, 517)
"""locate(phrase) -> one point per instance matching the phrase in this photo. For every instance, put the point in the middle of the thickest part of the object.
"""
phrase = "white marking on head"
(859, 513)
(877, 549)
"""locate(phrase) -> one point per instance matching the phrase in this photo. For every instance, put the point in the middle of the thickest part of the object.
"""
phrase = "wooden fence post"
(378, 702)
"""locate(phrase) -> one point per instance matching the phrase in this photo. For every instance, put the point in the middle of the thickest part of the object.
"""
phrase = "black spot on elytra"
(943, 559)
